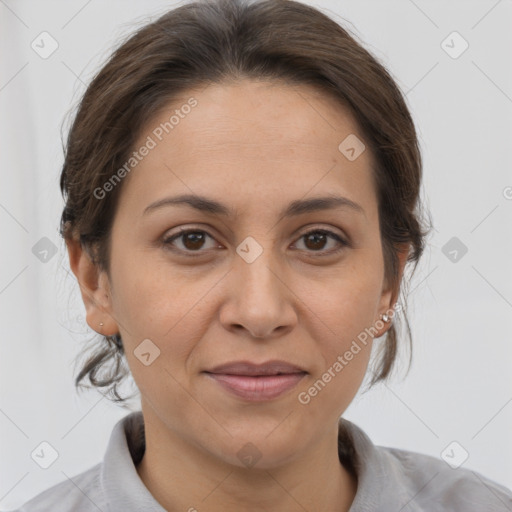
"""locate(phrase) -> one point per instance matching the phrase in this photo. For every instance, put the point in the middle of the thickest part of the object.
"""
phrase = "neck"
(183, 476)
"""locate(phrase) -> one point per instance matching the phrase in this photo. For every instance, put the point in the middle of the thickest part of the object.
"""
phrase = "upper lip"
(248, 368)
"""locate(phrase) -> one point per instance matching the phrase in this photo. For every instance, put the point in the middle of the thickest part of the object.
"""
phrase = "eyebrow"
(297, 207)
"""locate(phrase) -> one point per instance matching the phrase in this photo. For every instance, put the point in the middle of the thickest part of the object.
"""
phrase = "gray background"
(460, 386)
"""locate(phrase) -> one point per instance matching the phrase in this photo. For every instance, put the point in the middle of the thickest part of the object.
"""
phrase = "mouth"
(275, 367)
(257, 382)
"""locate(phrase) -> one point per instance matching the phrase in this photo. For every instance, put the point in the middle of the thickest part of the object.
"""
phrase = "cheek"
(148, 299)
(344, 348)
(342, 313)
(171, 310)
(346, 302)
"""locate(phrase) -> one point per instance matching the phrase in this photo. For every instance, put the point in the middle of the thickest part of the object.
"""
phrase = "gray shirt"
(389, 479)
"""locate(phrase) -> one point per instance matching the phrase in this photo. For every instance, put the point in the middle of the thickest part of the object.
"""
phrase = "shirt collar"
(381, 482)
(119, 479)
(379, 485)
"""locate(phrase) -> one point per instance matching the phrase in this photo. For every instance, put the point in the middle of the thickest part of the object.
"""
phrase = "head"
(223, 101)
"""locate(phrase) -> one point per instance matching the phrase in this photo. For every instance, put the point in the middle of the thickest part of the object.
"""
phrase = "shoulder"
(80, 493)
(438, 487)
(391, 478)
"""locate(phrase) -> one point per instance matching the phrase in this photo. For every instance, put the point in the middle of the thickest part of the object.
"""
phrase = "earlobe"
(94, 288)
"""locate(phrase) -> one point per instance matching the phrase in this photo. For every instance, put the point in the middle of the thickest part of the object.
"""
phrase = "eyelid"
(342, 239)
(167, 239)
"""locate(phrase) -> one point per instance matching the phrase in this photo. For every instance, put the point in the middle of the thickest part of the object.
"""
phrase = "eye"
(192, 240)
(316, 239)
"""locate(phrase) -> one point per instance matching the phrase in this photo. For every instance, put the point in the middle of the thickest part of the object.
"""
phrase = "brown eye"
(316, 240)
(192, 240)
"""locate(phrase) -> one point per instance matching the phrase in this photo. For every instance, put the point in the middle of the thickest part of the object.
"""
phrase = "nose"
(262, 301)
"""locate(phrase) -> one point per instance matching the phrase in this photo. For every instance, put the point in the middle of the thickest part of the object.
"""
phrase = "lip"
(256, 369)
(257, 382)
(257, 388)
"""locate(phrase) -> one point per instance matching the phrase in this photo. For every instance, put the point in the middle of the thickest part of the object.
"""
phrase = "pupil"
(195, 238)
(316, 237)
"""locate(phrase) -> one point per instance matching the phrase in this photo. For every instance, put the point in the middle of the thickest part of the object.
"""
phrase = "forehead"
(263, 142)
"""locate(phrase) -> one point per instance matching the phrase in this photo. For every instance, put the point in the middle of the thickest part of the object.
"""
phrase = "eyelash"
(168, 242)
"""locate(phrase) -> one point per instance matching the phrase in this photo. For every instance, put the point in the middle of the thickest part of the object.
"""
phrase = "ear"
(390, 293)
(95, 290)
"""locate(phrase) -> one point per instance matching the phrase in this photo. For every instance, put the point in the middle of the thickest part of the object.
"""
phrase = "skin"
(254, 146)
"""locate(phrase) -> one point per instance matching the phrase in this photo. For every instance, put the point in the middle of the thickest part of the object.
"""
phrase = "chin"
(259, 452)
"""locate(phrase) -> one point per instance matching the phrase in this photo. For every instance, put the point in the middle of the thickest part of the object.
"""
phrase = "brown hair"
(215, 41)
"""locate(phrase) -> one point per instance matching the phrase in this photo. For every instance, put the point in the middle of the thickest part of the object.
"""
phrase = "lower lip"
(257, 388)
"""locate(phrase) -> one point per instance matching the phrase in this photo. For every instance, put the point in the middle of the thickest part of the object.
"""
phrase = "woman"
(241, 185)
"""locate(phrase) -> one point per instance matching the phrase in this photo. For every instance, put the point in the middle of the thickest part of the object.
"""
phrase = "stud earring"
(385, 318)
(101, 324)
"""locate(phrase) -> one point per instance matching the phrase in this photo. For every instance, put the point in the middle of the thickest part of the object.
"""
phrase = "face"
(253, 284)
